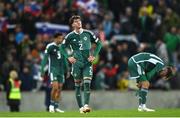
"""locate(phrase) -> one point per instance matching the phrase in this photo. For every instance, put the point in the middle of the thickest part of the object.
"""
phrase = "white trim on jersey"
(80, 31)
(139, 69)
(64, 41)
(141, 53)
(152, 55)
(71, 47)
(97, 39)
(48, 45)
(72, 69)
(68, 35)
(49, 65)
(89, 31)
(153, 60)
(51, 76)
(134, 77)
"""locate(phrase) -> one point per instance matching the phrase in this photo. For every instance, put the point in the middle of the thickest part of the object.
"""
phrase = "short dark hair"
(57, 34)
(74, 17)
(169, 71)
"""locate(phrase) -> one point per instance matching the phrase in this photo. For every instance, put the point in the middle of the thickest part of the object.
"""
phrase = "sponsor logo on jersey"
(74, 39)
(54, 50)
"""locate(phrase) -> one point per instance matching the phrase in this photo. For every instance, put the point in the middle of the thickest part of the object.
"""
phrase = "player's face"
(77, 24)
(59, 39)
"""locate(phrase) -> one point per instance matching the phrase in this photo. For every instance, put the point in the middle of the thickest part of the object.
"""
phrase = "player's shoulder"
(88, 31)
(50, 45)
(69, 34)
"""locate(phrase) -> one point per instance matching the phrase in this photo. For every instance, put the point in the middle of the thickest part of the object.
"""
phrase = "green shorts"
(55, 75)
(136, 72)
(82, 70)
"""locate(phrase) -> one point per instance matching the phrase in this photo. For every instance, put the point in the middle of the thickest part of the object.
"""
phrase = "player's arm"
(96, 40)
(63, 50)
(65, 62)
(63, 47)
(98, 48)
(65, 44)
(44, 60)
(154, 71)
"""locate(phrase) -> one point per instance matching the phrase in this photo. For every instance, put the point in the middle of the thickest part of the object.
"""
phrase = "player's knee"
(77, 82)
(55, 86)
(145, 84)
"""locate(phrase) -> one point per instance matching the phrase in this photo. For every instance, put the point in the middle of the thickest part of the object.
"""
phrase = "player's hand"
(139, 85)
(91, 58)
(72, 60)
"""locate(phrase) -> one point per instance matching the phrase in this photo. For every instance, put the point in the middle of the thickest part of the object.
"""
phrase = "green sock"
(56, 105)
(139, 98)
(78, 95)
(87, 84)
(52, 102)
(142, 95)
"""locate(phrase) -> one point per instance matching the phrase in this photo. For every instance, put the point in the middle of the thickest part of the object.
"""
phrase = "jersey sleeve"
(64, 45)
(47, 50)
(96, 40)
(45, 58)
(155, 71)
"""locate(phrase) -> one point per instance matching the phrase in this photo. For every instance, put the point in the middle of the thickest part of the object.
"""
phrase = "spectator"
(161, 8)
(107, 24)
(148, 6)
(122, 82)
(145, 25)
(172, 41)
(116, 29)
(19, 35)
(128, 21)
(13, 91)
(162, 51)
(171, 19)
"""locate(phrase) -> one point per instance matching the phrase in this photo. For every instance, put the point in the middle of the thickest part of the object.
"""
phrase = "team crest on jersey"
(54, 50)
(85, 38)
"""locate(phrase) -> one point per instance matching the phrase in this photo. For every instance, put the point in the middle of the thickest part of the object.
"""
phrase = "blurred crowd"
(124, 26)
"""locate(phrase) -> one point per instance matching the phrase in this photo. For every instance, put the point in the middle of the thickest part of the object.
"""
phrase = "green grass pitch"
(98, 113)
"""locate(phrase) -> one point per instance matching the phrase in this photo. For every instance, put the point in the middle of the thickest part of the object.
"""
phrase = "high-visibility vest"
(15, 90)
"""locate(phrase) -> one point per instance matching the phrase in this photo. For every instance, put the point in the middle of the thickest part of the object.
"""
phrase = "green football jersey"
(145, 64)
(80, 44)
(57, 62)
